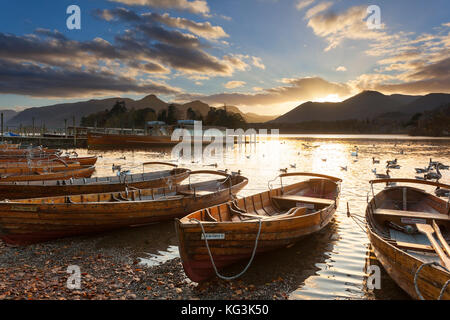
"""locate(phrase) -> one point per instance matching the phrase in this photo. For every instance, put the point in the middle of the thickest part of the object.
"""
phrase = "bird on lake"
(433, 175)
(294, 165)
(422, 170)
(211, 165)
(383, 176)
(344, 168)
(116, 167)
(442, 166)
(236, 173)
(392, 162)
(442, 192)
(375, 160)
(283, 170)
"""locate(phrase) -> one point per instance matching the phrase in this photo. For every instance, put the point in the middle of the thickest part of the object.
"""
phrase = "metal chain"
(211, 257)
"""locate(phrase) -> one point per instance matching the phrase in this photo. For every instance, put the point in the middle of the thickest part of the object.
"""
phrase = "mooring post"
(2, 125)
(74, 132)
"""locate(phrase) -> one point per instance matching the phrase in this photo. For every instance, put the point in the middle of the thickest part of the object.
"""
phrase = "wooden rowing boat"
(22, 169)
(400, 223)
(38, 164)
(280, 217)
(34, 189)
(40, 219)
(38, 151)
(95, 139)
(4, 146)
(40, 175)
(85, 161)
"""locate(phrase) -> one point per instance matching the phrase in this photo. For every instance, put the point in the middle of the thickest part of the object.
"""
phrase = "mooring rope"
(416, 276)
(212, 260)
(443, 289)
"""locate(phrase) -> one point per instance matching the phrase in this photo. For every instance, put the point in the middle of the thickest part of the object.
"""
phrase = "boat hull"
(28, 222)
(58, 175)
(197, 263)
(236, 240)
(26, 190)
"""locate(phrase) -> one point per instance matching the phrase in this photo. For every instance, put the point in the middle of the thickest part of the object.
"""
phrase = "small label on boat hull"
(213, 236)
(412, 220)
(24, 208)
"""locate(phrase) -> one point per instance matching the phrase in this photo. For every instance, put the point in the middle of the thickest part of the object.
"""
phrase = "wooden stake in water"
(2, 125)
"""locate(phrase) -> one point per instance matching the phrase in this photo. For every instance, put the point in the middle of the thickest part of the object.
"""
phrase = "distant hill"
(426, 103)
(250, 117)
(8, 114)
(365, 105)
(403, 98)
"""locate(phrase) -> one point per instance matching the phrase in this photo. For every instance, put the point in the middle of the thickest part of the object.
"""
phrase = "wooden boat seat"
(411, 214)
(293, 212)
(197, 192)
(304, 199)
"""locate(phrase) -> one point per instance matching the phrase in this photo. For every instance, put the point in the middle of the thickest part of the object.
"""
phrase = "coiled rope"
(212, 260)
(416, 276)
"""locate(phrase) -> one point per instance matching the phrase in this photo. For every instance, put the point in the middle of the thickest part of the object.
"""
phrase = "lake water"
(331, 264)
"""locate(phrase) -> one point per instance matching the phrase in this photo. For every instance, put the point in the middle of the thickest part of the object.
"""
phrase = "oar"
(441, 237)
(428, 231)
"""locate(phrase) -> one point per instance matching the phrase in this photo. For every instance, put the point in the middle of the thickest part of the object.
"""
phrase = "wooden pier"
(51, 142)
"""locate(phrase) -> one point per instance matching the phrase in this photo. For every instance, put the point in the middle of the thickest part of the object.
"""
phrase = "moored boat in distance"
(409, 230)
(35, 189)
(213, 238)
(40, 219)
(97, 139)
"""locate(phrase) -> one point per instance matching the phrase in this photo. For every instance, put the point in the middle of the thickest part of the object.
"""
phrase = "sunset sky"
(264, 56)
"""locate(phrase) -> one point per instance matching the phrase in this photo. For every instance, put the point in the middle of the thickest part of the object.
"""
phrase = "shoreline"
(39, 272)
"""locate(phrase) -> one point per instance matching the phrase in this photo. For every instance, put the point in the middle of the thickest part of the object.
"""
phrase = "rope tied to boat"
(211, 257)
(416, 276)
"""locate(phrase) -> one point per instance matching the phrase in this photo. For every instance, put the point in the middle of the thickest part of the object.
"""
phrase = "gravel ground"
(40, 272)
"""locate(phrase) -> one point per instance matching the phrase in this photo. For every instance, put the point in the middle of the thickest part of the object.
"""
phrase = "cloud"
(341, 68)
(317, 9)
(195, 6)
(301, 4)
(201, 29)
(43, 81)
(294, 91)
(336, 27)
(257, 62)
(234, 84)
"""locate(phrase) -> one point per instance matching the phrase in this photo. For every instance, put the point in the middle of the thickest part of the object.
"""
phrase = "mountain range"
(365, 105)
(54, 115)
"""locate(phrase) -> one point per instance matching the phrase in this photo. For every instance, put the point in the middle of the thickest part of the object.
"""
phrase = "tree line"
(120, 117)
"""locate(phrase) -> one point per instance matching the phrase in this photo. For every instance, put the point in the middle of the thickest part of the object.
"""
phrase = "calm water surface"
(331, 264)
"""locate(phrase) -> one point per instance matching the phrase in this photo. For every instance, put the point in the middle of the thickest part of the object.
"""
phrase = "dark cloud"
(40, 81)
(99, 66)
(195, 6)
